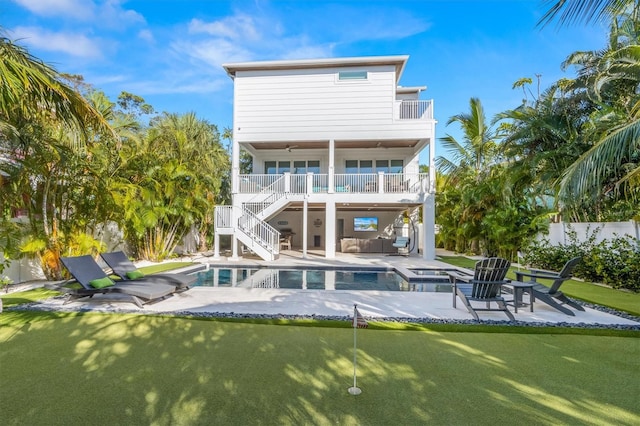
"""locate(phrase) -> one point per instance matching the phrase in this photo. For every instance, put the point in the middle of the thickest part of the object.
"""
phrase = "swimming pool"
(320, 279)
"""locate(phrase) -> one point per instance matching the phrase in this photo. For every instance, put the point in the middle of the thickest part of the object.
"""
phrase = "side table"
(518, 289)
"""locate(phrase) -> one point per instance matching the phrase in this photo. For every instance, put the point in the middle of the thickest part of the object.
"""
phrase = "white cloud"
(78, 9)
(101, 13)
(146, 35)
(232, 27)
(72, 44)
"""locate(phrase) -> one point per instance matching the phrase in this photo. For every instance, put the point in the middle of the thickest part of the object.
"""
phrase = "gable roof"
(398, 61)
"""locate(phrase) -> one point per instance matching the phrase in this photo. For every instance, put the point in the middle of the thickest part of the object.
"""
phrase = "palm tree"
(611, 78)
(478, 149)
(29, 87)
(572, 11)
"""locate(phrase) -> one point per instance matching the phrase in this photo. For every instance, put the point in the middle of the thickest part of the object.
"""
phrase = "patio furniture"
(552, 295)
(285, 242)
(485, 286)
(402, 243)
(518, 288)
(127, 271)
(93, 280)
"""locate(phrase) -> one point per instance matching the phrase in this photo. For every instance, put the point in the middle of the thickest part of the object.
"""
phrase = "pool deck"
(335, 303)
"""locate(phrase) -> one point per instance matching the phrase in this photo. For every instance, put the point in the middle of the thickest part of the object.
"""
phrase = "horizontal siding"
(309, 100)
(347, 131)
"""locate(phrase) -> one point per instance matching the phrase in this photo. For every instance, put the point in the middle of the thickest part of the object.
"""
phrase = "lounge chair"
(93, 280)
(126, 270)
(552, 295)
(485, 286)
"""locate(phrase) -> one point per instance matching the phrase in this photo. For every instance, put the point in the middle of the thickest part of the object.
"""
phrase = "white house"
(335, 146)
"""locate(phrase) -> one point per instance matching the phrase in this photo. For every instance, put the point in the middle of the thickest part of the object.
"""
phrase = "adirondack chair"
(552, 295)
(485, 286)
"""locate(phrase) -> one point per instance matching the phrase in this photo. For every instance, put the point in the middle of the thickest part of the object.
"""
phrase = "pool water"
(315, 279)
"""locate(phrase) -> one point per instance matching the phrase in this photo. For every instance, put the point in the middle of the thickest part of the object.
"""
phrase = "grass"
(617, 299)
(162, 267)
(134, 369)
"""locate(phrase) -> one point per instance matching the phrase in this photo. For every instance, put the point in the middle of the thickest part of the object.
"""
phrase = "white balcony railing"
(383, 183)
(414, 110)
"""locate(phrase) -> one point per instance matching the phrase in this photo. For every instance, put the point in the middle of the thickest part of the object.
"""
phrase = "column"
(305, 225)
(331, 170)
(330, 230)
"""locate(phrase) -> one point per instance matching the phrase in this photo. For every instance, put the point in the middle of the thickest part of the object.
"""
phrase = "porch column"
(234, 248)
(331, 171)
(330, 230)
(216, 246)
(305, 224)
(429, 205)
(428, 223)
(235, 167)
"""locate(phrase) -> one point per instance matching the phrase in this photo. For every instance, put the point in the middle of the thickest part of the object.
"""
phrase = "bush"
(614, 262)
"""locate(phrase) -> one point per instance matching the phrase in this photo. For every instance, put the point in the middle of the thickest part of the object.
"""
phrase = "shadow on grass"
(126, 369)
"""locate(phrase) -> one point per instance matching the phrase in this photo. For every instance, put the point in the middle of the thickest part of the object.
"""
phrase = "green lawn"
(133, 369)
(621, 300)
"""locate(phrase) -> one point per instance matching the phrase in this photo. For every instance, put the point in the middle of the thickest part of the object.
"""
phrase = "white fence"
(559, 232)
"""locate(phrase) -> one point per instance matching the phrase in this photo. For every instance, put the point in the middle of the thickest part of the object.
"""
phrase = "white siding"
(313, 104)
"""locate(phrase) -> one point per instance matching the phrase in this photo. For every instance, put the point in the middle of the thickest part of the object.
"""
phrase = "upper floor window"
(273, 167)
(302, 167)
(366, 166)
(352, 75)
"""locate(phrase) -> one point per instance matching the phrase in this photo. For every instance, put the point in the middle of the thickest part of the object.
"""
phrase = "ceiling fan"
(290, 147)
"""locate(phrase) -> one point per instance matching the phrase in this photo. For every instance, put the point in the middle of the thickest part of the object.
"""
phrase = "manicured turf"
(127, 369)
(617, 299)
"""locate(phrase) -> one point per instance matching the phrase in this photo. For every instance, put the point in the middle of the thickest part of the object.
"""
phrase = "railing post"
(287, 182)
(309, 183)
(381, 188)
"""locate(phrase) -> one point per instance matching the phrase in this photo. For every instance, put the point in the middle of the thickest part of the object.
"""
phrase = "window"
(284, 166)
(366, 166)
(313, 166)
(270, 167)
(396, 166)
(382, 166)
(279, 167)
(352, 75)
(351, 166)
(302, 167)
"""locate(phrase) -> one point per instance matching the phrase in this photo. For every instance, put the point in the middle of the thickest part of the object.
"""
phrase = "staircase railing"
(259, 231)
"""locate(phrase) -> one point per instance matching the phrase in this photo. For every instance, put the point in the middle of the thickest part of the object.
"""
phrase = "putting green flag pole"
(358, 322)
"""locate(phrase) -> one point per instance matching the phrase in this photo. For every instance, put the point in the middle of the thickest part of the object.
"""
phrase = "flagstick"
(354, 390)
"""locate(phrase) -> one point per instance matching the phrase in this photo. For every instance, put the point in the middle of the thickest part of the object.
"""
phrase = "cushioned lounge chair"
(91, 278)
(552, 295)
(485, 286)
(126, 270)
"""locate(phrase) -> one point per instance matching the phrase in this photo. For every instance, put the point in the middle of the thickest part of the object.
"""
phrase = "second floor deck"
(311, 183)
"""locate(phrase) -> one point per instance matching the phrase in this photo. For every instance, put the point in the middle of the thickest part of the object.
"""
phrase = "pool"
(321, 279)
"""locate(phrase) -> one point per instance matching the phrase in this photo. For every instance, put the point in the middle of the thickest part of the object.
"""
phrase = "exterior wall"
(558, 232)
(312, 104)
(388, 223)
(409, 158)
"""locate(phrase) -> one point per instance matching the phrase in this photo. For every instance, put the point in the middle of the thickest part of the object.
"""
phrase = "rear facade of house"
(335, 147)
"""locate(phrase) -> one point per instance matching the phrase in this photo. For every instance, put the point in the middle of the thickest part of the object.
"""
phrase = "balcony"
(365, 183)
(414, 110)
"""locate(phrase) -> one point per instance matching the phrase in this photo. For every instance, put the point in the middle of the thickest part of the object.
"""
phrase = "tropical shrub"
(614, 262)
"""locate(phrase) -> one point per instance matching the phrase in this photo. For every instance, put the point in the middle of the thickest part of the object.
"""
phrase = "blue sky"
(170, 52)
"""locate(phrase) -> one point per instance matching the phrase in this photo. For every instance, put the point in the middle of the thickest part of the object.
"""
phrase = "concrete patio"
(336, 303)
